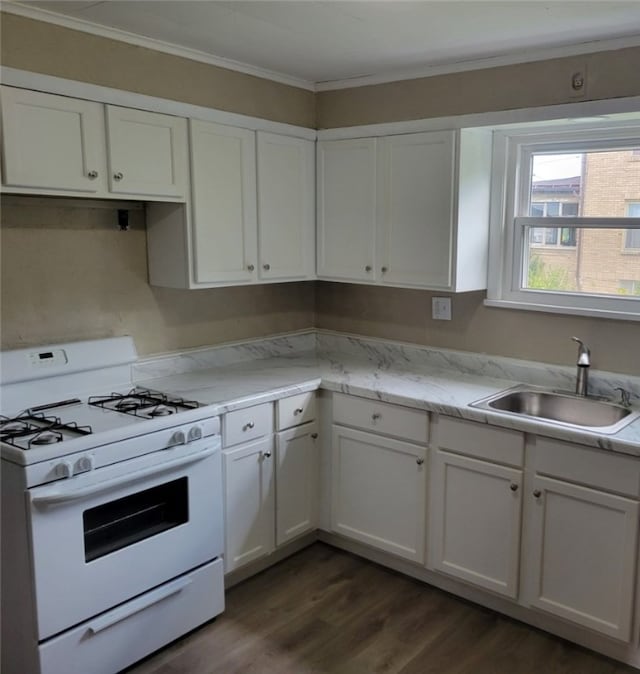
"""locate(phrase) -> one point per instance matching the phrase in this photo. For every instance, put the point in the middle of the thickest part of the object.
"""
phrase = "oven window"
(117, 524)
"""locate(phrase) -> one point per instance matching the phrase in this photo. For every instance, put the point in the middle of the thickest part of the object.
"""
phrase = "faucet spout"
(583, 364)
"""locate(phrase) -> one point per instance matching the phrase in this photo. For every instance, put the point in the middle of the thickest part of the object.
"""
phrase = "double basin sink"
(561, 408)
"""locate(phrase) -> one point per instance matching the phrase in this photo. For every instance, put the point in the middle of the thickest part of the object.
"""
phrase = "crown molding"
(84, 26)
(511, 58)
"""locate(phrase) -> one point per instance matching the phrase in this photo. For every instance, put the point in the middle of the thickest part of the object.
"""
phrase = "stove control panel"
(47, 359)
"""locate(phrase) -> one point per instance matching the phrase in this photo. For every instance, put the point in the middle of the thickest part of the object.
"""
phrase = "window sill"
(555, 309)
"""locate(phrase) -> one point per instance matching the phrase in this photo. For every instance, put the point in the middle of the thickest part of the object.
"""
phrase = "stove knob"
(64, 469)
(178, 438)
(83, 464)
(195, 433)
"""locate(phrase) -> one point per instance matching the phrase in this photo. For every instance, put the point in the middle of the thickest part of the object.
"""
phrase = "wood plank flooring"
(324, 610)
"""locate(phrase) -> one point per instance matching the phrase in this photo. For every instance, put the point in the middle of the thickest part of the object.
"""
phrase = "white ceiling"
(337, 40)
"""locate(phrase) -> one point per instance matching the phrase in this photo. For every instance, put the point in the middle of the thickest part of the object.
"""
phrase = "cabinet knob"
(298, 410)
(419, 461)
(250, 267)
(537, 493)
(92, 175)
(376, 415)
(368, 268)
(266, 267)
(248, 426)
(384, 270)
(118, 176)
(266, 454)
(314, 436)
(513, 486)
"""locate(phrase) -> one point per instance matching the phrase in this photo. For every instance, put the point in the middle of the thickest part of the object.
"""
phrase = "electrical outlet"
(441, 308)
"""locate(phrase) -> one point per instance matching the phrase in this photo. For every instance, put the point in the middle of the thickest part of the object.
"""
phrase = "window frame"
(511, 197)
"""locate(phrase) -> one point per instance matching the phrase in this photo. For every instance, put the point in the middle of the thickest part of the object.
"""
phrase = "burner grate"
(143, 402)
(33, 429)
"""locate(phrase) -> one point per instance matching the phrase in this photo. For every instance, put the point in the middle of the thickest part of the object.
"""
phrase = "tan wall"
(610, 74)
(45, 48)
(396, 313)
(68, 273)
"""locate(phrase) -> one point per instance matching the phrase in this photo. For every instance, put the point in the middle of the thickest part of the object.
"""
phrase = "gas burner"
(13, 426)
(161, 411)
(46, 438)
(127, 405)
(143, 403)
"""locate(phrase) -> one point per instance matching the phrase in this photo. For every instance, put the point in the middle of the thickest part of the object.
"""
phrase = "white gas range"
(111, 511)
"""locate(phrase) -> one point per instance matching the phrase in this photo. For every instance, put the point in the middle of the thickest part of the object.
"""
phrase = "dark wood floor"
(324, 610)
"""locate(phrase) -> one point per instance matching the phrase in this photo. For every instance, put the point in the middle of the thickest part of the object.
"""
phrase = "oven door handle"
(132, 607)
(60, 495)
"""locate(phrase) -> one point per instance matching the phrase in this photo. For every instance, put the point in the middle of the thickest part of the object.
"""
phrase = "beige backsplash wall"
(68, 273)
(405, 315)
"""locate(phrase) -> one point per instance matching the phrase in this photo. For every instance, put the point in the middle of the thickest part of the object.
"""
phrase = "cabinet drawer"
(295, 410)
(247, 424)
(371, 415)
(584, 465)
(109, 643)
(481, 441)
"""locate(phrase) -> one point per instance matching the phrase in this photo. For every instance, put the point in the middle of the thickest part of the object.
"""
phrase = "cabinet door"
(249, 502)
(379, 492)
(147, 153)
(52, 142)
(286, 207)
(297, 471)
(223, 179)
(415, 193)
(347, 209)
(582, 551)
(475, 533)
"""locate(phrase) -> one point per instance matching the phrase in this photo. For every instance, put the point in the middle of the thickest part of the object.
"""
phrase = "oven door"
(101, 538)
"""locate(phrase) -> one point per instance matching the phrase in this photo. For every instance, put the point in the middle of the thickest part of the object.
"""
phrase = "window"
(632, 239)
(567, 236)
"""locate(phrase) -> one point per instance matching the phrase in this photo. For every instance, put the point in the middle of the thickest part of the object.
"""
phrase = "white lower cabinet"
(379, 492)
(581, 549)
(249, 502)
(271, 494)
(475, 511)
(297, 470)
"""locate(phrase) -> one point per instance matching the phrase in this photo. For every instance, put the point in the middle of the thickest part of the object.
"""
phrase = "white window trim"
(508, 199)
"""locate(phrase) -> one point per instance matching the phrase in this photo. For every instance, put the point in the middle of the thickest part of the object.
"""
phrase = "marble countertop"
(443, 387)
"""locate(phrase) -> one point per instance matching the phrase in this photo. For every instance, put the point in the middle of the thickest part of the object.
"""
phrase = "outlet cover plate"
(441, 308)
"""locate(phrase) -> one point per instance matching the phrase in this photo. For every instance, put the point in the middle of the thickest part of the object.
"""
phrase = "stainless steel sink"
(561, 408)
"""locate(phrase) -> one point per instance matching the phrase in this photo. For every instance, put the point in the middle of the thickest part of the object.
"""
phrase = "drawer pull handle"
(537, 493)
(368, 268)
(266, 455)
(314, 436)
(92, 175)
(513, 486)
(419, 461)
(118, 176)
(298, 410)
(248, 426)
(376, 415)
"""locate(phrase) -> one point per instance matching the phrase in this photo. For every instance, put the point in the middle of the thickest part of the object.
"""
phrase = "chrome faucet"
(584, 362)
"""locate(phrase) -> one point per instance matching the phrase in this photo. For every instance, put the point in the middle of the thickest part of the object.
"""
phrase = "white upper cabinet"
(52, 144)
(286, 207)
(147, 153)
(56, 145)
(223, 179)
(415, 190)
(347, 209)
(408, 210)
